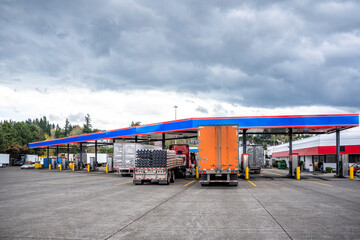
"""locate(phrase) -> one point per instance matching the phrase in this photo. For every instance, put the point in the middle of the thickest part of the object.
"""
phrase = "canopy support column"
(48, 154)
(244, 141)
(290, 151)
(57, 154)
(68, 152)
(337, 152)
(96, 150)
(81, 159)
(163, 141)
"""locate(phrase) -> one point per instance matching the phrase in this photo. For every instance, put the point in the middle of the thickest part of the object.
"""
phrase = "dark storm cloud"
(252, 53)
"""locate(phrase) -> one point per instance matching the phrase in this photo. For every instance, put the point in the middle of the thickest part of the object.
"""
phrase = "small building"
(320, 151)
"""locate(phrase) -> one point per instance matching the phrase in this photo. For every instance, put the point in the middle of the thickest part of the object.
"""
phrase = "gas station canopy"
(187, 128)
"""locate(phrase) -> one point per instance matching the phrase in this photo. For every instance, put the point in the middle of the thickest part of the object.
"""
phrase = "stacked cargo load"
(125, 156)
(156, 166)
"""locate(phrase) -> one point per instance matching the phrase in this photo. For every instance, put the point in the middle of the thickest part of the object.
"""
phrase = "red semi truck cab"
(183, 149)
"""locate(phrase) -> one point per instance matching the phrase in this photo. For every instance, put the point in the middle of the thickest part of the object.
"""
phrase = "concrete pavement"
(45, 204)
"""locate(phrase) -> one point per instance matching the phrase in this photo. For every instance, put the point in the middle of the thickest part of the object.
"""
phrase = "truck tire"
(138, 182)
(167, 181)
(169, 178)
(172, 179)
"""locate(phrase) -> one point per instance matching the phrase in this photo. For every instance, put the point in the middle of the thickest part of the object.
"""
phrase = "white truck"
(256, 157)
(125, 155)
(159, 166)
(4, 159)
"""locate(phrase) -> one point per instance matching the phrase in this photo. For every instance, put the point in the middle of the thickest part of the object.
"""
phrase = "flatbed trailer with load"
(125, 156)
(218, 154)
(159, 166)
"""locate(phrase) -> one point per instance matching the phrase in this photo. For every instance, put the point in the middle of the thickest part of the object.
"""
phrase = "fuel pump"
(294, 159)
(77, 163)
(65, 163)
(53, 163)
(110, 163)
(244, 163)
(93, 164)
(344, 165)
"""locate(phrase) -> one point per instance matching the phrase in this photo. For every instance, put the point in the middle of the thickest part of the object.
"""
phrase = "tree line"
(15, 136)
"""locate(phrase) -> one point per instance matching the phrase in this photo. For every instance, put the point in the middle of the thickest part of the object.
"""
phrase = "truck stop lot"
(43, 204)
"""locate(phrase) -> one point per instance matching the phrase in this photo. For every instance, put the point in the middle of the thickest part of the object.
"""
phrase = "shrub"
(328, 169)
(275, 164)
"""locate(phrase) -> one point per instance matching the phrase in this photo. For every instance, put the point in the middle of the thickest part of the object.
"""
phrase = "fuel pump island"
(218, 142)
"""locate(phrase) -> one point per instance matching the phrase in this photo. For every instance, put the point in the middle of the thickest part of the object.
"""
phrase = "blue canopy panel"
(308, 123)
(194, 149)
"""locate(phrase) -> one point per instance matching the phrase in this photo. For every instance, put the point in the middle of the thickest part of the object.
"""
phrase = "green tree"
(87, 128)
(134, 124)
(67, 128)
(59, 133)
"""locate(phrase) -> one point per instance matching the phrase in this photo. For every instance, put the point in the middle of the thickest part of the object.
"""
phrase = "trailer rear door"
(218, 147)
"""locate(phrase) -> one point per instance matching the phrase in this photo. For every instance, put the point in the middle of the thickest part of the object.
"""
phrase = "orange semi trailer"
(218, 154)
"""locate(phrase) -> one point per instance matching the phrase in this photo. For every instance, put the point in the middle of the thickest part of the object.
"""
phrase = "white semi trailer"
(256, 157)
(4, 159)
(125, 156)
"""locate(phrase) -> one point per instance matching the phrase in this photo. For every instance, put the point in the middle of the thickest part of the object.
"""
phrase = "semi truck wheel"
(138, 182)
(167, 181)
(172, 179)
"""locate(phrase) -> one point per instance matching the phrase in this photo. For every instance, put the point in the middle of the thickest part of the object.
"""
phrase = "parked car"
(358, 173)
(27, 166)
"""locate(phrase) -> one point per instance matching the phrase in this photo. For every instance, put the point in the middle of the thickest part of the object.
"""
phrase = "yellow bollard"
(298, 173)
(107, 168)
(247, 173)
(60, 167)
(351, 173)
(197, 172)
(73, 167)
(49, 166)
(89, 168)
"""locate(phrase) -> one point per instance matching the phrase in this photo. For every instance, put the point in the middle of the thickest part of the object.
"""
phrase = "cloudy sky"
(129, 60)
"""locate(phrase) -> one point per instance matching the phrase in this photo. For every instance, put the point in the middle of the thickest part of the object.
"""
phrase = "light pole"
(175, 107)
